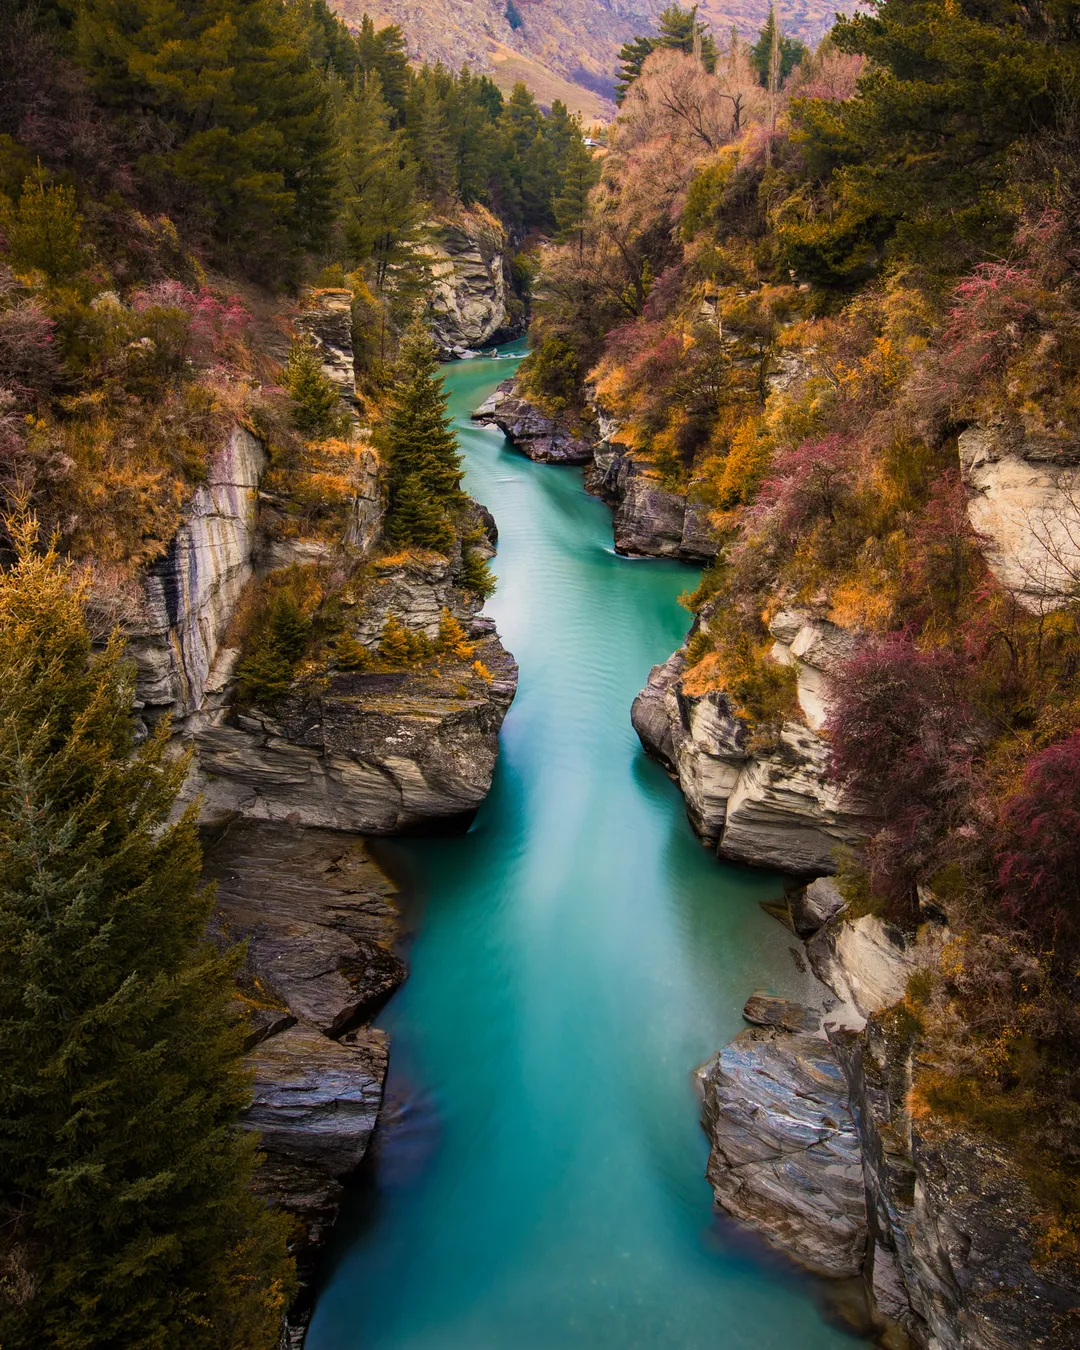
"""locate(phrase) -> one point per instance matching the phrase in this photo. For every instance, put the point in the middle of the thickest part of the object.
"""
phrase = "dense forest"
(793, 295)
(168, 177)
(794, 278)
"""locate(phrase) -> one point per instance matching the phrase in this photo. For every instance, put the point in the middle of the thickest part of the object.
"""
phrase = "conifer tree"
(416, 518)
(580, 174)
(128, 1219)
(317, 410)
(394, 645)
(424, 466)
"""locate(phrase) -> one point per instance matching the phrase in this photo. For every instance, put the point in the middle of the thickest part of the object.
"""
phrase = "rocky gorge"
(651, 519)
(288, 794)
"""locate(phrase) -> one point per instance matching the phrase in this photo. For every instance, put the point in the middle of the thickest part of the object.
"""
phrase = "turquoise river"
(539, 1182)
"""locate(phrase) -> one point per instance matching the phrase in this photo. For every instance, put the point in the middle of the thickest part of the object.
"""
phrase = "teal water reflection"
(540, 1186)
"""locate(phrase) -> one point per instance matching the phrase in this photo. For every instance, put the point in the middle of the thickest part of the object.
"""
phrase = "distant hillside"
(561, 48)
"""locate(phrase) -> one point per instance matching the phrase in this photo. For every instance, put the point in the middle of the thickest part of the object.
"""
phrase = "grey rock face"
(1025, 502)
(650, 520)
(470, 298)
(319, 918)
(548, 440)
(190, 594)
(375, 754)
(953, 1214)
(770, 809)
(785, 1156)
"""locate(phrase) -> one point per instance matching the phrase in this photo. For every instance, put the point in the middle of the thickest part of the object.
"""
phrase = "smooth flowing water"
(540, 1183)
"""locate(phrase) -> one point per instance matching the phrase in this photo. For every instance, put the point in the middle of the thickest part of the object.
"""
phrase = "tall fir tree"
(127, 1214)
(424, 465)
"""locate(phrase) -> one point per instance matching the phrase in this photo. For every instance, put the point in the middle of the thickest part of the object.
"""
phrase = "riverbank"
(577, 954)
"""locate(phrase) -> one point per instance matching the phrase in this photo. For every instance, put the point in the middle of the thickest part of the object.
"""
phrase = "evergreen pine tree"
(580, 174)
(417, 519)
(128, 1219)
(317, 410)
(424, 465)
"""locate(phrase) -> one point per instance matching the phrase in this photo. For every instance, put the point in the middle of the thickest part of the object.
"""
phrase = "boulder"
(813, 906)
(784, 1154)
(763, 1009)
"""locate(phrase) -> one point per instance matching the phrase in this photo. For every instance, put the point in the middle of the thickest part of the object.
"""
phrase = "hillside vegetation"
(793, 299)
(170, 177)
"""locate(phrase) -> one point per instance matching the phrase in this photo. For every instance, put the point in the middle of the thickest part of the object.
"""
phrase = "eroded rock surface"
(650, 520)
(1025, 502)
(785, 1156)
(471, 298)
(189, 595)
(771, 808)
(951, 1215)
(327, 319)
(320, 919)
(548, 440)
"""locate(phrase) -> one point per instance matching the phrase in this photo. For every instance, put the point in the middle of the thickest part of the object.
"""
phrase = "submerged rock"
(548, 440)
(785, 1156)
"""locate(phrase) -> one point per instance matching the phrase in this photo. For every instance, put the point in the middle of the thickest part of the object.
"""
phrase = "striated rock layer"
(768, 808)
(190, 594)
(319, 919)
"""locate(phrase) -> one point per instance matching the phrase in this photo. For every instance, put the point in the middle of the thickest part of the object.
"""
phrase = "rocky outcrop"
(547, 440)
(650, 520)
(380, 752)
(1025, 503)
(816, 1145)
(954, 1224)
(785, 1157)
(769, 808)
(471, 303)
(327, 319)
(319, 919)
(816, 648)
(189, 594)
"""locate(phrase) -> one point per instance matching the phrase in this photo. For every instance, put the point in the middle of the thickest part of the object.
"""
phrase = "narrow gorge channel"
(539, 1181)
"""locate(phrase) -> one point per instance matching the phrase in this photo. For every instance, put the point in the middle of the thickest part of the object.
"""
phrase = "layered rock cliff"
(769, 805)
(472, 302)
(319, 919)
(817, 1144)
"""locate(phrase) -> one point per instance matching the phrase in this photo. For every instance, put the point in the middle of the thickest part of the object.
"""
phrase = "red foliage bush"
(808, 484)
(216, 327)
(1038, 860)
(28, 360)
(901, 735)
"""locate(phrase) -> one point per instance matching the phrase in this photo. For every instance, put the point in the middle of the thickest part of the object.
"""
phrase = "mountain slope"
(564, 49)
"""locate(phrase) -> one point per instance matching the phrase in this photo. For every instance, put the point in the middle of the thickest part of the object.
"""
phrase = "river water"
(539, 1184)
